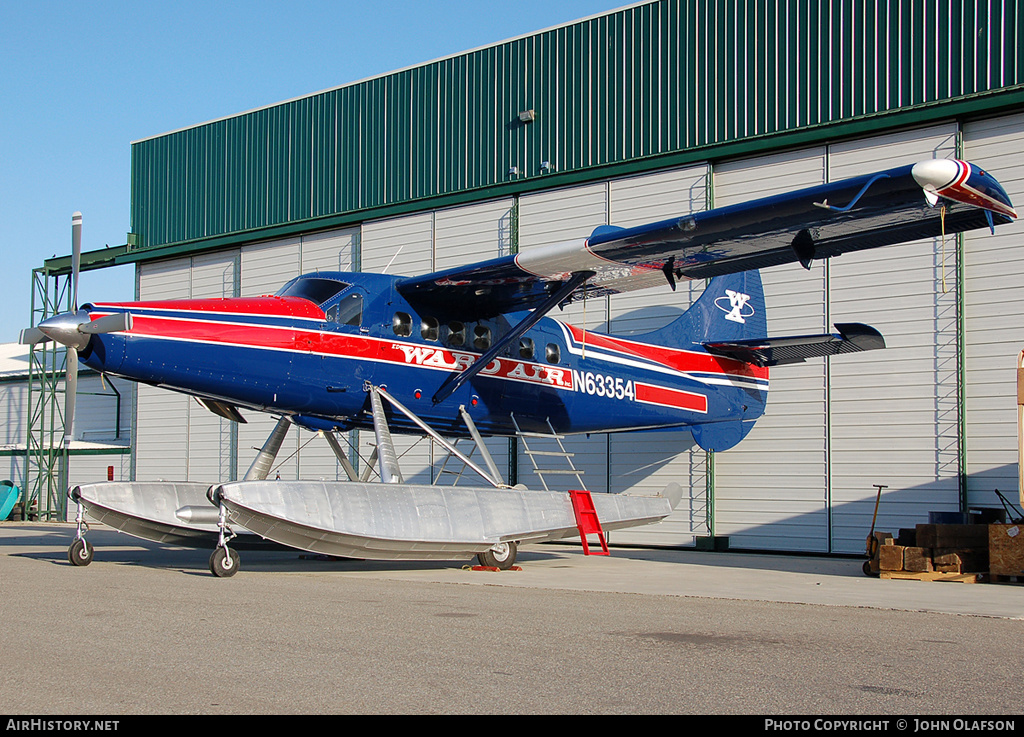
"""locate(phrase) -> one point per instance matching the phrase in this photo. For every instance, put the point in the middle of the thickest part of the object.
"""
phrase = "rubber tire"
(224, 563)
(867, 570)
(502, 559)
(80, 552)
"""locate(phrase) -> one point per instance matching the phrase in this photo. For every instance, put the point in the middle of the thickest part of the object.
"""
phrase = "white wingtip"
(936, 174)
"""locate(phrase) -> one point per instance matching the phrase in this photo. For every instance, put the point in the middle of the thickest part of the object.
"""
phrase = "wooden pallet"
(931, 576)
(998, 578)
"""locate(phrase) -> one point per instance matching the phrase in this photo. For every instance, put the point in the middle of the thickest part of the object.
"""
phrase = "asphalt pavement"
(146, 629)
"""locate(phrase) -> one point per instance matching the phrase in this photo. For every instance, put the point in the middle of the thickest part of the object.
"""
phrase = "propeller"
(74, 329)
(71, 362)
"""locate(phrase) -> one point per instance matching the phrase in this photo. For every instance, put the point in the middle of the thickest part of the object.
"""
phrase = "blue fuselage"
(310, 360)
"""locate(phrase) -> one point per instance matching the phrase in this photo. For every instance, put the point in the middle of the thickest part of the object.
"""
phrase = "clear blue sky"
(81, 80)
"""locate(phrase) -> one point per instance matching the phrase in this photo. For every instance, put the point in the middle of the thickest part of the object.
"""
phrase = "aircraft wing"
(924, 200)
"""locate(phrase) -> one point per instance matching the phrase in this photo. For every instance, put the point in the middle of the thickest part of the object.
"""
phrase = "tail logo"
(738, 309)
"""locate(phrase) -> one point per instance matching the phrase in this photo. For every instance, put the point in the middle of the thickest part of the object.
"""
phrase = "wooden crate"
(890, 558)
(917, 560)
(932, 576)
(962, 537)
(956, 560)
(1006, 549)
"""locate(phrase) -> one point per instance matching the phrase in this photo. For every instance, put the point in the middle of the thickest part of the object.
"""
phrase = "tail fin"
(731, 308)
(728, 321)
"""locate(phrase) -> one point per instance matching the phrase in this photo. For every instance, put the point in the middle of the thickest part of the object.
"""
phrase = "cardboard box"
(1006, 549)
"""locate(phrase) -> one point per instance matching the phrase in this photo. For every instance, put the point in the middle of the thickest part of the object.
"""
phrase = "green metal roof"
(647, 86)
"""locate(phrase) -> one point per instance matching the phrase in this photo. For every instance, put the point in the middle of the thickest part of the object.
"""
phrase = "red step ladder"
(587, 521)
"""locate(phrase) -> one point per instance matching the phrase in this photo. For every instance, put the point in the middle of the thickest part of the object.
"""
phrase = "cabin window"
(481, 337)
(552, 353)
(349, 311)
(401, 323)
(430, 328)
(526, 348)
(316, 289)
(456, 334)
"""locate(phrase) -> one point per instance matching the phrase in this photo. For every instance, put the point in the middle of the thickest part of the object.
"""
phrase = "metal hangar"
(643, 113)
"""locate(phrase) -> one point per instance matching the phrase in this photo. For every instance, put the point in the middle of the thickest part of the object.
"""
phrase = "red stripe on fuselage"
(674, 358)
(242, 306)
(254, 335)
(198, 328)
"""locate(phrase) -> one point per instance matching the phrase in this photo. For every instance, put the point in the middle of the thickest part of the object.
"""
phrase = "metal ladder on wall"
(534, 454)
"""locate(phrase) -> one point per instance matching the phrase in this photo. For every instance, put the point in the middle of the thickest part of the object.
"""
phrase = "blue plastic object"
(9, 495)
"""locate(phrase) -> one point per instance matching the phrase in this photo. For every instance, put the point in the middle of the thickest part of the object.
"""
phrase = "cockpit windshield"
(316, 289)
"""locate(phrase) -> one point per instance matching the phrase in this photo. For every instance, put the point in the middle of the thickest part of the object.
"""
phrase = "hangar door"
(637, 462)
(803, 479)
(994, 328)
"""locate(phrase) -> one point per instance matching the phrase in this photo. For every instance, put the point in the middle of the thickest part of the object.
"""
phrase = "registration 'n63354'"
(603, 385)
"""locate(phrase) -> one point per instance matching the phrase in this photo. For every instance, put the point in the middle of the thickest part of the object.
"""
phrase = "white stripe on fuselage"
(710, 379)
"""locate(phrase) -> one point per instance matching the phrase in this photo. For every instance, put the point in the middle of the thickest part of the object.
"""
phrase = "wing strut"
(264, 460)
(454, 382)
(380, 422)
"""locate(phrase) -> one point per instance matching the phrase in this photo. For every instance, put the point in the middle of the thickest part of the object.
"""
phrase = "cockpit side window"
(348, 311)
(316, 289)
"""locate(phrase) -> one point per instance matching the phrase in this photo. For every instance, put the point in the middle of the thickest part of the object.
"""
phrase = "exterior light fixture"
(527, 116)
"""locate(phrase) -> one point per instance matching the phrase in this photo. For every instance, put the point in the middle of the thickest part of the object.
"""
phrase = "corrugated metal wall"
(993, 308)
(932, 417)
(640, 83)
(101, 436)
(655, 89)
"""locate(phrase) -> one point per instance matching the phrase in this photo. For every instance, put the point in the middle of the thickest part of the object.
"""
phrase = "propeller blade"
(70, 390)
(31, 336)
(76, 257)
(116, 323)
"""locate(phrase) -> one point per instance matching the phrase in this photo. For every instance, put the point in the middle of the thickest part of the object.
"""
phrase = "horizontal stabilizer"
(852, 338)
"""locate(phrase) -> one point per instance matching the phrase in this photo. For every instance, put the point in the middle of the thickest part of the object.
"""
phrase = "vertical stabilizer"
(730, 308)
